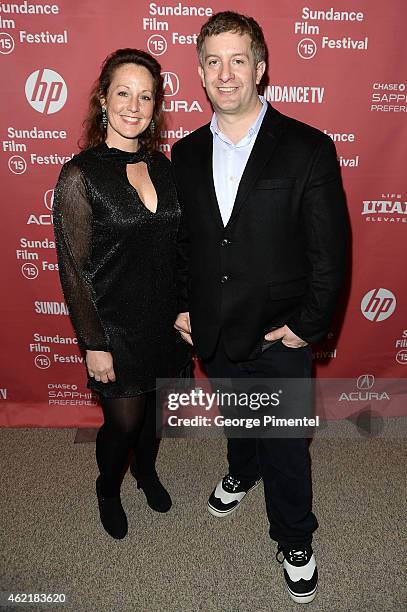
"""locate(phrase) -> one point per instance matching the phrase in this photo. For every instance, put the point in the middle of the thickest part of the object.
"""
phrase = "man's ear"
(202, 75)
(260, 70)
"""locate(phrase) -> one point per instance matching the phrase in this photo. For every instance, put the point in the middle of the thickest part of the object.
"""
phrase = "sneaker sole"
(220, 514)
(303, 599)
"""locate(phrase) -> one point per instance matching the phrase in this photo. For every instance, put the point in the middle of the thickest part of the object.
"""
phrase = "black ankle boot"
(157, 496)
(112, 515)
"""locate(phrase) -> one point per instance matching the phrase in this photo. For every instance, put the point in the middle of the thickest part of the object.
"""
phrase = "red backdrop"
(335, 65)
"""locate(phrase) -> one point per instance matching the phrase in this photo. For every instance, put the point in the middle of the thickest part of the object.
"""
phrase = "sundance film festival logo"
(6, 43)
(307, 48)
(157, 44)
(42, 362)
(46, 91)
(378, 304)
(170, 83)
(29, 271)
(401, 343)
(17, 164)
(401, 357)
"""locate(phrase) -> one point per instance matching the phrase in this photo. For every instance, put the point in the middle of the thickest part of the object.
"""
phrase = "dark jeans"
(283, 463)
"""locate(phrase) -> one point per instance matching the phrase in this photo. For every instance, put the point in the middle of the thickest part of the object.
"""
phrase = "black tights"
(129, 425)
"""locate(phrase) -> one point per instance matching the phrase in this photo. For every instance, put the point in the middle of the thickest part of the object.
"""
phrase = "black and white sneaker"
(300, 572)
(228, 494)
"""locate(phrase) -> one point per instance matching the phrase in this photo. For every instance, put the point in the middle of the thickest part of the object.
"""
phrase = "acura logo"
(365, 382)
(170, 83)
(49, 198)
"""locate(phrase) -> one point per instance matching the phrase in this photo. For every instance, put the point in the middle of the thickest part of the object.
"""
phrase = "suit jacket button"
(224, 278)
(224, 242)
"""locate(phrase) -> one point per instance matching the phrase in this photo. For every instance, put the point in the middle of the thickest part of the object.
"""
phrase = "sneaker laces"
(230, 483)
(295, 555)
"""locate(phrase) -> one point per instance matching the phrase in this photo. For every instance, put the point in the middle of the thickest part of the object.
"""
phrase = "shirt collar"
(253, 130)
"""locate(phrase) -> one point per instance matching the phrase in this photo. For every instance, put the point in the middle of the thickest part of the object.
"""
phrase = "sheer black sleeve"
(183, 240)
(73, 234)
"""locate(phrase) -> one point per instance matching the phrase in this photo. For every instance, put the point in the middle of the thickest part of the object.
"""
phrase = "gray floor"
(187, 560)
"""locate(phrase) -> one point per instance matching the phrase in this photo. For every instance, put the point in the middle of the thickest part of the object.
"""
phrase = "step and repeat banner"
(336, 64)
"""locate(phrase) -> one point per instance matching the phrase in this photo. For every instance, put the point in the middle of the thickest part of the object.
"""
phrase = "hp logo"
(378, 304)
(46, 91)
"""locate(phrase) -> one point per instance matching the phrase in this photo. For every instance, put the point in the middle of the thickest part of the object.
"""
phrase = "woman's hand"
(100, 366)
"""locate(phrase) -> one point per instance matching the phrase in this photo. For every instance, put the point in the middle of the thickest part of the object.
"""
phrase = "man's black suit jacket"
(281, 257)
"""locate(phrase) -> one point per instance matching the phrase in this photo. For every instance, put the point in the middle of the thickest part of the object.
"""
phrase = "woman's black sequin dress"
(117, 264)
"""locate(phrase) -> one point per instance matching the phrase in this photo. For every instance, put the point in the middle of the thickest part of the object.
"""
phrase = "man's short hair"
(228, 21)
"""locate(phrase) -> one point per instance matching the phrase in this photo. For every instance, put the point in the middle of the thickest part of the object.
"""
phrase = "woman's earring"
(104, 117)
(152, 126)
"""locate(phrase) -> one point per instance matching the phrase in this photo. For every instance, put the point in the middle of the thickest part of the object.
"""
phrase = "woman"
(116, 217)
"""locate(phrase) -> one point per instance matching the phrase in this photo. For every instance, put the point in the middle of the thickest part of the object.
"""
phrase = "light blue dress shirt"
(229, 161)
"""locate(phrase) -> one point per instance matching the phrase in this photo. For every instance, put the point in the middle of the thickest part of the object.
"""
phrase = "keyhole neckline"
(152, 212)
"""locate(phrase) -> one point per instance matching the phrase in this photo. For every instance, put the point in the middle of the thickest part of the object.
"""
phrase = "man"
(262, 247)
